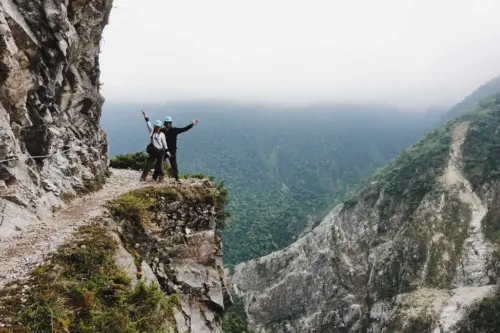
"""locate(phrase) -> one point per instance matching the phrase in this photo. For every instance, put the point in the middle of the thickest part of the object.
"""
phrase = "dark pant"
(157, 161)
(173, 164)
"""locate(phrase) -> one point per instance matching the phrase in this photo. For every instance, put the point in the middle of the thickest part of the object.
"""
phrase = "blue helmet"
(158, 123)
(168, 119)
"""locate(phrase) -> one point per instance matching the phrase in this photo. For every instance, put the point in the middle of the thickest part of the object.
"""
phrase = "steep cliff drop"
(415, 251)
(101, 247)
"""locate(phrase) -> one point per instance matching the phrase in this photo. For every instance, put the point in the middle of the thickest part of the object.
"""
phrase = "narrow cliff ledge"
(149, 262)
(50, 105)
(415, 251)
(152, 263)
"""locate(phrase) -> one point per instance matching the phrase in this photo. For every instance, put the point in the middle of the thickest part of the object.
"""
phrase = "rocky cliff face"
(152, 262)
(175, 245)
(415, 251)
(51, 145)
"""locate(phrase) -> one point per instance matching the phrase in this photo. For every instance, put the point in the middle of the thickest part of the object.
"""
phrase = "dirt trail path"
(21, 253)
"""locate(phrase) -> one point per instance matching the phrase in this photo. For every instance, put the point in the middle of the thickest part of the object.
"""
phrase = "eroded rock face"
(179, 249)
(50, 102)
(365, 270)
(162, 234)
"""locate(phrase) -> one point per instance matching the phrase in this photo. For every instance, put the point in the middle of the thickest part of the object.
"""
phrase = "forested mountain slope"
(282, 167)
(416, 250)
(470, 102)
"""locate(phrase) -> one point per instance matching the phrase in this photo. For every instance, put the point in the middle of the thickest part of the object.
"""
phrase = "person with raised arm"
(157, 149)
(171, 137)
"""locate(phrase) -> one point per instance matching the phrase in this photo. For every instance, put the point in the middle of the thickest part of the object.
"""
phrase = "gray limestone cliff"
(175, 245)
(150, 262)
(50, 105)
(415, 251)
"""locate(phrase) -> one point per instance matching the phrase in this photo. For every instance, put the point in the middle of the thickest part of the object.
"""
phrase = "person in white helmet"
(171, 137)
(157, 149)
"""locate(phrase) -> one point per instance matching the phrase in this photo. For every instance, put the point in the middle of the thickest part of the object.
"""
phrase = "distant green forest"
(283, 168)
(471, 102)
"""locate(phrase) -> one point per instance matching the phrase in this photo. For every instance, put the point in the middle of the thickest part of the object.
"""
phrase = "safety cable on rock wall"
(24, 128)
(16, 157)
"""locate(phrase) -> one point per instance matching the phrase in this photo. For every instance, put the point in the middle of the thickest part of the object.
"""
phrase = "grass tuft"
(82, 290)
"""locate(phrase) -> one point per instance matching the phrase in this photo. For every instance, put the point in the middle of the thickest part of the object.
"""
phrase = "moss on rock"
(81, 289)
(140, 206)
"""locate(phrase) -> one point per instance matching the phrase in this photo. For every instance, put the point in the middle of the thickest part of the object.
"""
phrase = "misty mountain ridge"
(284, 167)
(470, 102)
(415, 250)
(128, 118)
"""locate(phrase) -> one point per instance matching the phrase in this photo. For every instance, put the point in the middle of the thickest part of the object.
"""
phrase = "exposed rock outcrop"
(176, 246)
(31, 244)
(53, 149)
(50, 105)
(160, 234)
(408, 254)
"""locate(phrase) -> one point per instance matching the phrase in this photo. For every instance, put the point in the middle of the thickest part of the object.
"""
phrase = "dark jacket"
(171, 135)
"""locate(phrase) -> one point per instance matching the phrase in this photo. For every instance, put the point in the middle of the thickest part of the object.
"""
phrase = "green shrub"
(235, 319)
(131, 205)
(133, 161)
(482, 316)
(137, 162)
(481, 148)
(51, 315)
(221, 202)
(491, 221)
(196, 176)
(408, 178)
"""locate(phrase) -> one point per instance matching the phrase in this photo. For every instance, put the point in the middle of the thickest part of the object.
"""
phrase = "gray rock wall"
(358, 273)
(50, 104)
(178, 248)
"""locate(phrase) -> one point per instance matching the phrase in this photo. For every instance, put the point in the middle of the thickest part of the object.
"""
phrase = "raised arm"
(188, 127)
(148, 123)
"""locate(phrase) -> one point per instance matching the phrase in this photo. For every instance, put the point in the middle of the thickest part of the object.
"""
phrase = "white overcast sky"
(405, 52)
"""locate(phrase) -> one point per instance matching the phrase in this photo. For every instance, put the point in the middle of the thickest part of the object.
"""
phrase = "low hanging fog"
(402, 52)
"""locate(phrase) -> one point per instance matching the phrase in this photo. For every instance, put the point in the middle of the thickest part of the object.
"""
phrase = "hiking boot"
(143, 179)
(160, 179)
